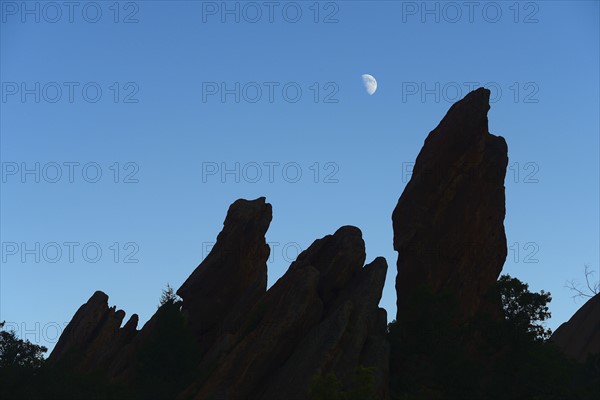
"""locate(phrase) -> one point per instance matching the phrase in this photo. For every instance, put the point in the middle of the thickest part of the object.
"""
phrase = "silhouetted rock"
(352, 334)
(448, 224)
(94, 336)
(234, 274)
(230, 338)
(580, 336)
(216, 296)
(320, 317)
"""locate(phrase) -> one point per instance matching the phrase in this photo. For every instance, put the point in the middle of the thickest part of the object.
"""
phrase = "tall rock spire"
(448, 224)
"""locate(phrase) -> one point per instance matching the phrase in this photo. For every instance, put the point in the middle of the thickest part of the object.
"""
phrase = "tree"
(434, 357)
(591, 288)
(15, 352)
(524, 310)
(168, 296)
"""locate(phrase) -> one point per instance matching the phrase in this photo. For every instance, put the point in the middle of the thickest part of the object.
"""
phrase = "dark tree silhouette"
(168, 296)
(15, 352)
(524, 310)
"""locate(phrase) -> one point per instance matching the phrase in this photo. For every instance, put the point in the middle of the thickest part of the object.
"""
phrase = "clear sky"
(161, 98)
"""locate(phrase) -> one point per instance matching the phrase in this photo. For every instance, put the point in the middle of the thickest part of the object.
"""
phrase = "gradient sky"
(159, 121)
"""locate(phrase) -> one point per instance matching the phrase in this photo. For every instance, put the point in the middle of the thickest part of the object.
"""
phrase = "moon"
(370, 83)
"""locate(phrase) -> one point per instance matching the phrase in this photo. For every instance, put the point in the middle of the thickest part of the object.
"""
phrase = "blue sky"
(132, 97)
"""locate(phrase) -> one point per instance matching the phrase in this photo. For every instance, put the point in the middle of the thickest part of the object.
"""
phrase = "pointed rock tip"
(99, 297)
(478, 99)
(481, 92)
(132, 322)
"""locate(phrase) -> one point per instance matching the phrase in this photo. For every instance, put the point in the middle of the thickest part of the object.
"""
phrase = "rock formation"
(448, 223)
(94, 336)
(231, 338)
(580, 335)
(321, 317)
(234, 274)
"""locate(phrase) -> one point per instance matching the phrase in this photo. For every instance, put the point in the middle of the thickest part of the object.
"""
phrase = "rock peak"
(234, 271)
(448, 223)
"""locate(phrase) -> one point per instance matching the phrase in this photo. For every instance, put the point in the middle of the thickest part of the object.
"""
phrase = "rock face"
(94, 336)
(234, 274)
(321, 317)
(448, 223)
(580, 336)
(350, 334)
